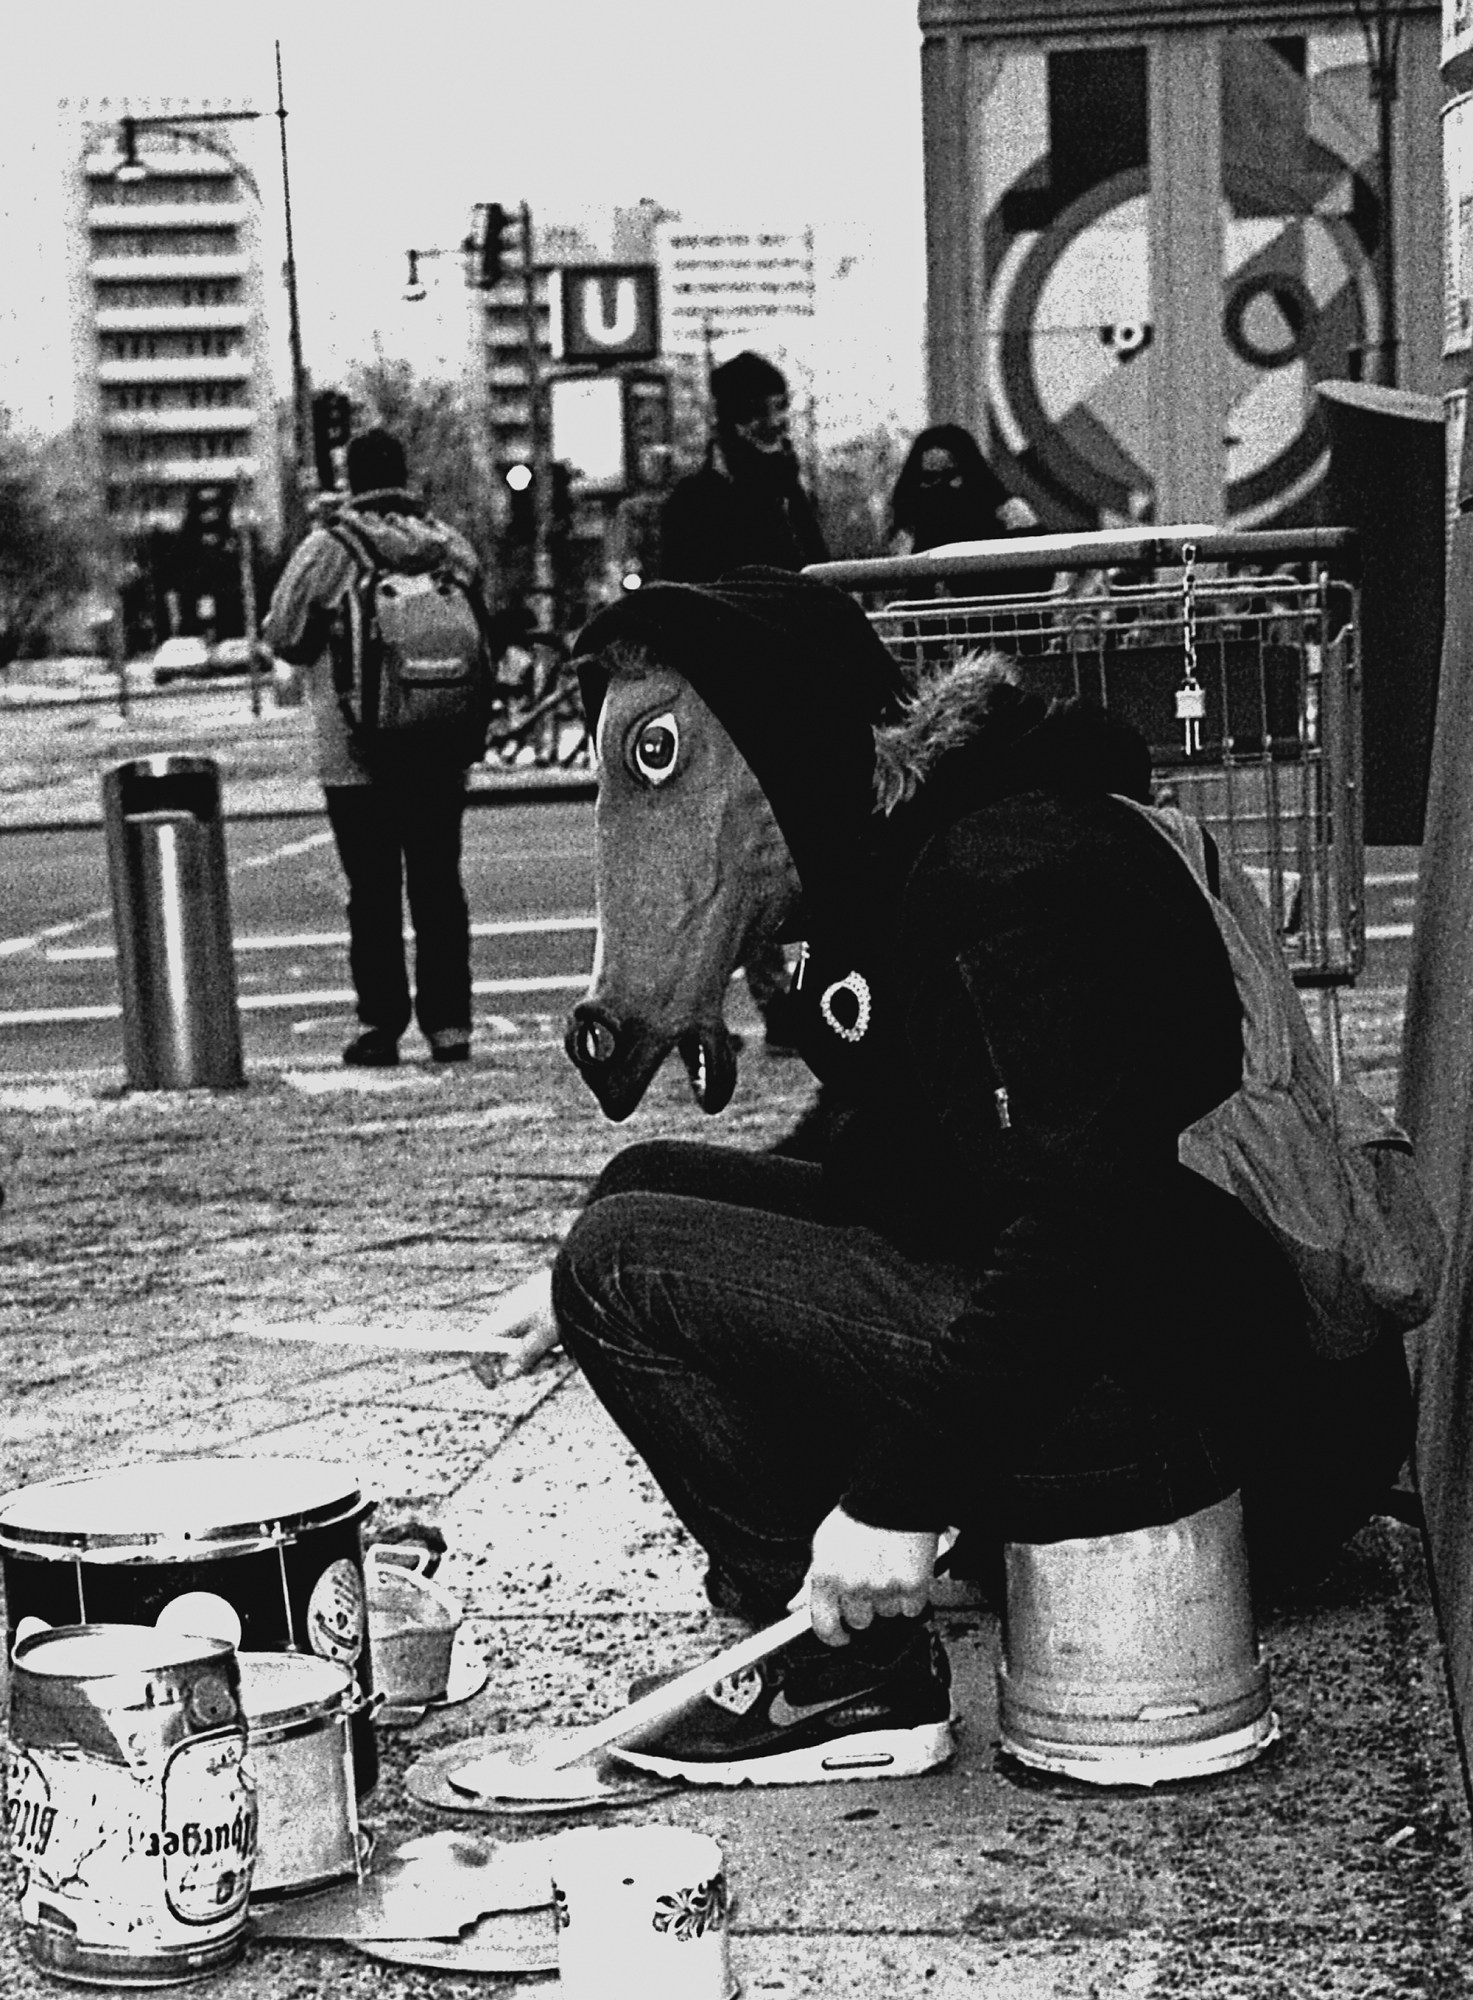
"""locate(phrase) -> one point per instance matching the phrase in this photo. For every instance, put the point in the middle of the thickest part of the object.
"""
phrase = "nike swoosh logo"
(783, 1714)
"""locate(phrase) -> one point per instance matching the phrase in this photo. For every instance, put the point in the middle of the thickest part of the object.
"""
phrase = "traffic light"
(521, 523)
(498, 226)
(207, 511)
(648, 430)
(332, 426)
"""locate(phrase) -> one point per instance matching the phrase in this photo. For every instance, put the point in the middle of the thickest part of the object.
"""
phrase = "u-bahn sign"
(609, 312)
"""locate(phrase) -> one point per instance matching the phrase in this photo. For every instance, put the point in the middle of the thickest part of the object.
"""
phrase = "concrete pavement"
(288, 1268)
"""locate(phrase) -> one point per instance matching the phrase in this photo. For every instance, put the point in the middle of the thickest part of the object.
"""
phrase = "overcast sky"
(402, 116)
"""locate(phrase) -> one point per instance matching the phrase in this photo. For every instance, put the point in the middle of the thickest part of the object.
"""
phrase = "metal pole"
(245, 545)
(1382, 35)
(542, 578)
(301, 401)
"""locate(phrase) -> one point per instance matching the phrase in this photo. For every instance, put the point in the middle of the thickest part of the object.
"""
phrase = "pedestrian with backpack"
(383, 604)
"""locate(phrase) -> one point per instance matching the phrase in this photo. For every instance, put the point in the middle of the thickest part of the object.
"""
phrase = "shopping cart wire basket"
(1245, 684)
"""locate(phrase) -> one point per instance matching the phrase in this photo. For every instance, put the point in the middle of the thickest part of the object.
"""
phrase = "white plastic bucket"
(646, 1902)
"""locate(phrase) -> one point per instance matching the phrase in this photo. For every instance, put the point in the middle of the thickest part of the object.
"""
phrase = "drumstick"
(488, 1775)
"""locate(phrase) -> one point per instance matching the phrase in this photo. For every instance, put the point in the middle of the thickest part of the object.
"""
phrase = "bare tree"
(444, 438)
(854, 484)
(52, 541)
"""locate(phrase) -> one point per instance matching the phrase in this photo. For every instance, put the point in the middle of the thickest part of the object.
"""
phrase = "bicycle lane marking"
(11, 947)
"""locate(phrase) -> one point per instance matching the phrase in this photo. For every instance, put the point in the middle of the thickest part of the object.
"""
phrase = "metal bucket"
(299, 1711)
(130, 1804)
(411, 1625)
(1132, 1659)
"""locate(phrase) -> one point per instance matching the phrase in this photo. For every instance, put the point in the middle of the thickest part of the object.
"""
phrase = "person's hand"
(858, 1573)
(517, 1330)
(1017, 517)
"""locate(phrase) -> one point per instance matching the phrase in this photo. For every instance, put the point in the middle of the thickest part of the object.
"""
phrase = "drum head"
(176, 1505)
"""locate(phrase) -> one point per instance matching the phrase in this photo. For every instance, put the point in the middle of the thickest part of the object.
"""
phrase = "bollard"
(171, 912)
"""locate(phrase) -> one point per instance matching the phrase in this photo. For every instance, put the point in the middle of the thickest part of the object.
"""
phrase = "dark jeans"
(744, 1338)
(403, 833)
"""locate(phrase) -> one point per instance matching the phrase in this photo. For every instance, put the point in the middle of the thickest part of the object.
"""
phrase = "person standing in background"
(745, 505)
(396, 818)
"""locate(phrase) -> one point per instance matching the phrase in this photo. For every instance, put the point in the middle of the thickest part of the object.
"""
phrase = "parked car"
(193, 659)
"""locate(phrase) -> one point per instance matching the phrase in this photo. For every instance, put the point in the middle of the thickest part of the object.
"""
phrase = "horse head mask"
(734, 724)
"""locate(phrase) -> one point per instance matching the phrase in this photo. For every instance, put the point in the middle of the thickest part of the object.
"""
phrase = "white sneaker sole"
(872, 1753)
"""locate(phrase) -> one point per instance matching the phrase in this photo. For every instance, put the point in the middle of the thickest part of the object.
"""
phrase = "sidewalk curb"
(535, 787)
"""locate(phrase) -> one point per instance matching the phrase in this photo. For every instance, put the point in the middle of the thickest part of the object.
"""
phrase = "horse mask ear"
(794, 671)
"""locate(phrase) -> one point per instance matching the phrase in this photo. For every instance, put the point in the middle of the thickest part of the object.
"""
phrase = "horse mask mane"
(794, 672)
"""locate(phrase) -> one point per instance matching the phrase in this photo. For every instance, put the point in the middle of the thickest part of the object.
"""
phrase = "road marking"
(9, 947)
(289, 852)
(1384, 933)
(77, 954)
(286, 1003)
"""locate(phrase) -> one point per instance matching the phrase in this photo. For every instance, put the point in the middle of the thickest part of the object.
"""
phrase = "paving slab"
(187, 1271)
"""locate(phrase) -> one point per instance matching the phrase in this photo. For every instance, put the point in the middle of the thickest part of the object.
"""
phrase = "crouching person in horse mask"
(998, 1303)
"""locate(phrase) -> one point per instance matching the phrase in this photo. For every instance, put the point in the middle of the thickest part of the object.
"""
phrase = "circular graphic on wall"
(1071, 336)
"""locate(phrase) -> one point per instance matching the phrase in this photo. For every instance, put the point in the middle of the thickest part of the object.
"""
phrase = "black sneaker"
(375, 1048)
(449, 1045)
(812, 1715)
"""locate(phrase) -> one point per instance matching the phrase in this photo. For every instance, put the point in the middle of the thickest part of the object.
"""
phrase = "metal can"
(130, 1805)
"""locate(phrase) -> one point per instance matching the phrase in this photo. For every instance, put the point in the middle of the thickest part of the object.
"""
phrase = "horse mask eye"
(655, 748)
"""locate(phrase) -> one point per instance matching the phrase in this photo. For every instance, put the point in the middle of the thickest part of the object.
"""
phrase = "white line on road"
(287, 1003)
(74, 954)
(10, 946)
(1384, 933)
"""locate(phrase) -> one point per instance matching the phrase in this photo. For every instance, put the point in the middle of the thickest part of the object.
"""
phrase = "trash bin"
(171, 910)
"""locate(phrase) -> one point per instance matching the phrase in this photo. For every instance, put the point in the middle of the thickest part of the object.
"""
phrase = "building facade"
(175, 392)
(1153, 227)
(725, 288)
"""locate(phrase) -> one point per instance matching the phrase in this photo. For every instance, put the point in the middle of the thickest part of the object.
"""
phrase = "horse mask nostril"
(594, 1042)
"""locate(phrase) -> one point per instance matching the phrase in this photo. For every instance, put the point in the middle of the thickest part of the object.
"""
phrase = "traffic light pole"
(537, 413)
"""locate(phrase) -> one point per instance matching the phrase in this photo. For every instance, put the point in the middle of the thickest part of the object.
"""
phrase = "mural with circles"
(1069, 326)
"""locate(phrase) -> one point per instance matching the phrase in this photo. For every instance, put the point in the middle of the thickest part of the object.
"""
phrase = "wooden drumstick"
(508, 1776)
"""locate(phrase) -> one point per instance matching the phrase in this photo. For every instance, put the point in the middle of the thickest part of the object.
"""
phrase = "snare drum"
(298, 1711)
(267, 1552)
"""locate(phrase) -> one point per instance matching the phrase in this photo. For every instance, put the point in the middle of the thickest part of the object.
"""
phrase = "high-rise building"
(726, 287)
(176, 399)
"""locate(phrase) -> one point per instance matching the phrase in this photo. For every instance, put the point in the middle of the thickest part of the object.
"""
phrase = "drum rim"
(212, 1653)
(252, 1534)
(300, 1717)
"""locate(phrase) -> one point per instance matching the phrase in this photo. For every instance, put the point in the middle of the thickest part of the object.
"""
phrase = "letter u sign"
(609, 313)
(609, 323)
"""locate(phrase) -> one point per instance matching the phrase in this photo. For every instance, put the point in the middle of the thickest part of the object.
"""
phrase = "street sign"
(609, 312)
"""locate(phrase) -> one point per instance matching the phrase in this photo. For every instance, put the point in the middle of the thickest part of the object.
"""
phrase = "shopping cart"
(1246, 687)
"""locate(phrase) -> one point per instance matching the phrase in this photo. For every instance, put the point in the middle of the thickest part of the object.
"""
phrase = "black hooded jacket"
(1044, 999)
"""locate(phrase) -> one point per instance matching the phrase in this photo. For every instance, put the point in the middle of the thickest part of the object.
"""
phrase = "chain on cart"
(1246, 687)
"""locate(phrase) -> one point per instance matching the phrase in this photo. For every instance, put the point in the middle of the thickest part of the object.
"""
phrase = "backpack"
(1316, 1161)
(411, 666)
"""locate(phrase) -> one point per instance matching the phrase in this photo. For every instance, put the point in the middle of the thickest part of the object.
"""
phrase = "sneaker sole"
(871, 1753)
